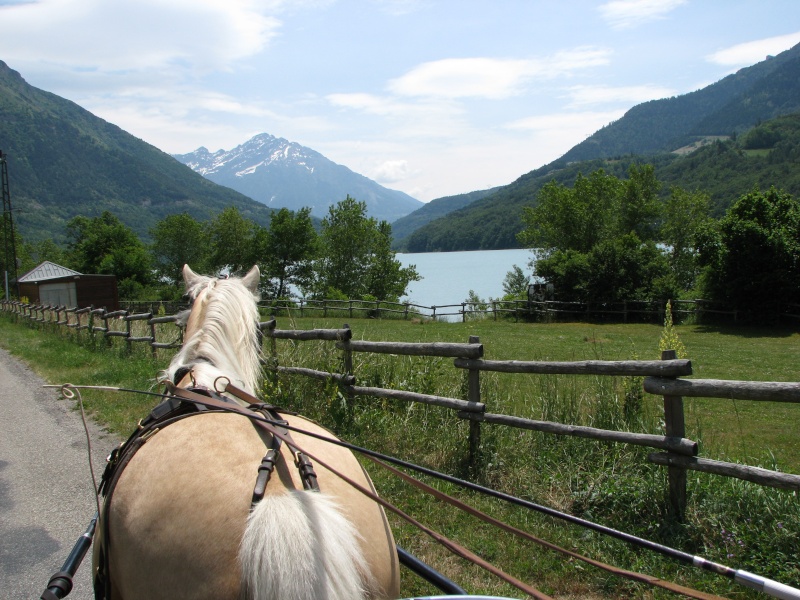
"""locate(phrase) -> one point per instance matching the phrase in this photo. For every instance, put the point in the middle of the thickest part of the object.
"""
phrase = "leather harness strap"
(446, 542)
(182, 403)
(304, 466)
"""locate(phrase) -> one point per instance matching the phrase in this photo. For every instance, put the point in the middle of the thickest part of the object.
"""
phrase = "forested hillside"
(730, 106)
(695, 141)
(767, 155)
(63, 161)
(433, 210)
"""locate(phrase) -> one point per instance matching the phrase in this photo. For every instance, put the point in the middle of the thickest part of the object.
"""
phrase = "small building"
(53, 284)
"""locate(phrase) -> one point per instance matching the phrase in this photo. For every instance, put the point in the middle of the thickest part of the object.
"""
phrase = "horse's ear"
(189, 276)
(252, 279)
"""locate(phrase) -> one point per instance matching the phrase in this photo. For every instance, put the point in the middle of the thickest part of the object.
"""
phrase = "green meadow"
(732, 522)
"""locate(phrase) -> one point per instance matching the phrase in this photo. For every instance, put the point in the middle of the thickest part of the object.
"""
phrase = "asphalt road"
(46, 495)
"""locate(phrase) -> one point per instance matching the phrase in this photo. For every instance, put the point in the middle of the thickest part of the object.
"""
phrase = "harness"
(179, 404)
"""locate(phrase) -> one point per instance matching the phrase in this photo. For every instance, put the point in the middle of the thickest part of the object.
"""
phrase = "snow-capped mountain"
(281, 174)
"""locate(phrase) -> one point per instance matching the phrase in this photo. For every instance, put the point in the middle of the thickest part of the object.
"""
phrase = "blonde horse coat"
(180, 524)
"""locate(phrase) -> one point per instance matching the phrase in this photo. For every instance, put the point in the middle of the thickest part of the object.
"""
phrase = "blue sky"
(430, 97)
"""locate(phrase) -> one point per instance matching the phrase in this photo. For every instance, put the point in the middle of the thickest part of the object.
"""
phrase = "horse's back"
(180, 507)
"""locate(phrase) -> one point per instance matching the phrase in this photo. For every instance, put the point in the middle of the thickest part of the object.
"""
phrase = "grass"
(733, 522)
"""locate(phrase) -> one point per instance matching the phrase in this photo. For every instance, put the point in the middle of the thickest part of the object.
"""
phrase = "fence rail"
(543, 310)
(73, 319)
(661, 377)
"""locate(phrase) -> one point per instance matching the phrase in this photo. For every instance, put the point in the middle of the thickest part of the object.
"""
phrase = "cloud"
(626, 14)
(147, 35)
(573, 125)
(428, 118)
(391, 171)
(742, 55)
(491, 78)
(585, 95)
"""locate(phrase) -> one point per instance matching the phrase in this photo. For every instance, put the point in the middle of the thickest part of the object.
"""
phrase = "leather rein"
(182, 402)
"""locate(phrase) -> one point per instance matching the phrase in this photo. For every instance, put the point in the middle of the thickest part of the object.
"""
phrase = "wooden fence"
(99, 321)
(541, 310)
(660, 377)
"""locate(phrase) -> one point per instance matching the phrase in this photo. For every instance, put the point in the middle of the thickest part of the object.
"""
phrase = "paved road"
(46, 497)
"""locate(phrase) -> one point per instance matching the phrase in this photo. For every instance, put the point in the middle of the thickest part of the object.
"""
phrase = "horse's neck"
(213, 365)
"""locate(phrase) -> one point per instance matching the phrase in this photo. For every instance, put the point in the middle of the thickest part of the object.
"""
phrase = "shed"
(50, 283)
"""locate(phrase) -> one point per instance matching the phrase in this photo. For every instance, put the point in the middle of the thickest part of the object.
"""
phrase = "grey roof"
(47, 270)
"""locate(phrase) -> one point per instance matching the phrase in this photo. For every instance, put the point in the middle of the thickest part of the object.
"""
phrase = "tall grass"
(729, 521)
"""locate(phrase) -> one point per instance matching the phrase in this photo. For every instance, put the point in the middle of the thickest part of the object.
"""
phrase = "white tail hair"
(298, 546)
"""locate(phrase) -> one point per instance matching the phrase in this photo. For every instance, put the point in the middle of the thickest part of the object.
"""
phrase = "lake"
(447, 277)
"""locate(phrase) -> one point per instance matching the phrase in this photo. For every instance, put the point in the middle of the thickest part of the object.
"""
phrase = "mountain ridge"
(648, 132)
(63, 161)
(280, 173)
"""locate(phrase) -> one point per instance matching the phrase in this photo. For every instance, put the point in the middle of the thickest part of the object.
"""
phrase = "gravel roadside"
(46, 496)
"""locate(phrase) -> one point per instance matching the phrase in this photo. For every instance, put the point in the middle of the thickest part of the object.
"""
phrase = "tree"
(686, 217)
(105, 245)
(596, 240)
(515, 284)
(287, 251)
(179, 240)
(387, 279)
(639, 208)
(356, 259)
(572, 219)
(232, 237)
(752, 260)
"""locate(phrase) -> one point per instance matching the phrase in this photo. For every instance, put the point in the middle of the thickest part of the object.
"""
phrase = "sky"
(430, 97)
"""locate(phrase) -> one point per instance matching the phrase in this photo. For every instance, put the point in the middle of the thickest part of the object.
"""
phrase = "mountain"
(732, 105)
(431, 211)
(280, 174)
(64, 161)
(695, 141)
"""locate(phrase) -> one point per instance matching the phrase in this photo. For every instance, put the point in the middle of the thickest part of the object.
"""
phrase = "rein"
(277, 427)
(446, 542)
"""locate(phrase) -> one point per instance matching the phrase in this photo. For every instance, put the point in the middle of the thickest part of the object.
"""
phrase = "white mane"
(224, 342)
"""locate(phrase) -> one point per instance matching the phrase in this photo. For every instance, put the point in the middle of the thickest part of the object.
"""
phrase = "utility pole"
(9, 240)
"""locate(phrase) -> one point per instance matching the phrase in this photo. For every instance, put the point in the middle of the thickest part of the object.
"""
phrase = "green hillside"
(696, 141)
(63, 161)
(433, 210)
(767, 155)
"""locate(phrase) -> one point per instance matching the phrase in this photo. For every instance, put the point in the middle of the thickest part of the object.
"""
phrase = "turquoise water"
(447, 277)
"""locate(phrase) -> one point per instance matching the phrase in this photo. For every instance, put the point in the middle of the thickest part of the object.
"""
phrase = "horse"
(180, 523)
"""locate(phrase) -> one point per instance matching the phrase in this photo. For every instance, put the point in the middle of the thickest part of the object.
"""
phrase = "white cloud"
(491, 78)
(584, 95)
(391, 171)
(742, 55)
(573, 125)
(147, 35)
(626, 14)
(429, 118)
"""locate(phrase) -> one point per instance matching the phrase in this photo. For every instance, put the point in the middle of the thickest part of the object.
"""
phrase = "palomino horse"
(180, 521)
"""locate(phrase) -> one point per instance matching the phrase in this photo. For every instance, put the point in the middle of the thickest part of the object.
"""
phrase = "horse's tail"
(297, 546)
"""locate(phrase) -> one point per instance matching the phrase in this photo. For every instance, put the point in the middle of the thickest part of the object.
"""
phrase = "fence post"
(128, 333)
(347, 354)
(675, 427)
(474, 395)
(152, 335)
